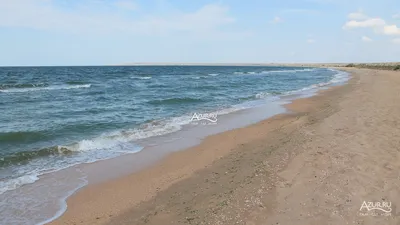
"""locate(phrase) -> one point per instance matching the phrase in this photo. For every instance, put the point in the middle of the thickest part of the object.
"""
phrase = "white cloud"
(276, 20)
(391, 30)
(98, 17)
(396, 16)
(310, 40)
(366, 39)
(374, 22)
(378, 25)
(396, 41)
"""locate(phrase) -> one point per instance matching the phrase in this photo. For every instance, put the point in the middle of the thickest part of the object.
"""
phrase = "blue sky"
(104, 32)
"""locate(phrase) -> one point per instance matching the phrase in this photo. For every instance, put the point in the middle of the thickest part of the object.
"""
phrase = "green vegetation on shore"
(379, 66)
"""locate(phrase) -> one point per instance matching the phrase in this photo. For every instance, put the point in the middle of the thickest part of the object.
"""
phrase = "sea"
(55, 118)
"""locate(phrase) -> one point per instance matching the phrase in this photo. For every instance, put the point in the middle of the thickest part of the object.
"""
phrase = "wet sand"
(315, 165)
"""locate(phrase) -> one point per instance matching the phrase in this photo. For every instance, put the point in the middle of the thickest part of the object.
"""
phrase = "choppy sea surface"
(53, 118)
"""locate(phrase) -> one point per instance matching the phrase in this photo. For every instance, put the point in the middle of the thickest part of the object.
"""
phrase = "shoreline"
(177, 172)
(317, 163)
(64, 182)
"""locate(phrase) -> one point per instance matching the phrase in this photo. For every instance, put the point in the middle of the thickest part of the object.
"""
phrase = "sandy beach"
(314, 165)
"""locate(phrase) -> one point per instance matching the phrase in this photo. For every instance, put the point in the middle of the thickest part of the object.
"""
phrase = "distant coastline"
(376, 65)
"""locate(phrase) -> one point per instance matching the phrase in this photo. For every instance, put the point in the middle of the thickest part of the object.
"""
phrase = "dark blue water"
(55, 117)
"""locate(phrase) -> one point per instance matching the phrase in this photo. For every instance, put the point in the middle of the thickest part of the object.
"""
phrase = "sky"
(114, 32)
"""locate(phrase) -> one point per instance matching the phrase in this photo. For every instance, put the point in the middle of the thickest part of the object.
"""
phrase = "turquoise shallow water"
(56, 117)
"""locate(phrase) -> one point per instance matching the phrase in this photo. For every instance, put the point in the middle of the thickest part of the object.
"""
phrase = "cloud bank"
(379, 25)
(107, 17)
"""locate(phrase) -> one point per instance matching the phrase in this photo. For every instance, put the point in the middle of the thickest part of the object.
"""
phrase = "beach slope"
(315, 165)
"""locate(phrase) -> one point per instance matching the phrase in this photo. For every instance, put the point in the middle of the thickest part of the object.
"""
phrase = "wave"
(142, 78)
(21, 137)
(263, 95)
(339, 77)
(98, 148)
(17, 86)
(12, 184)
(103, 147)
(56, 158)
(76, 82)
(25, 156)
(108, 145)
(173, 101)
(117, 143)
(45, 88)
(274, 71)
(288, 71)
(213, 74)
(245, 73)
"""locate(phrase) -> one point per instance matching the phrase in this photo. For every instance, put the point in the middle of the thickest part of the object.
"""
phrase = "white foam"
(263, 95)
(229, 110)
(12, 184)
(103, 147)
(154, 128)
(213, 74)
(55, 87)
(289, 71)
(276, 71)
(339, 77)
(87, 151)
(45, 199)
(62, 202)
(104, 142)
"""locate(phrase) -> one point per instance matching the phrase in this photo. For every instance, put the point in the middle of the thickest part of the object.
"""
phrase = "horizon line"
(208, 64)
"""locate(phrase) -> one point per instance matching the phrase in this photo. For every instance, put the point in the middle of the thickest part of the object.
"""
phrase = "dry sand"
(313, 166)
